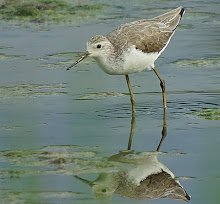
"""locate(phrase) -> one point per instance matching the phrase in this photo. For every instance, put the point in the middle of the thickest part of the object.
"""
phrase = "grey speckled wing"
(152, 36)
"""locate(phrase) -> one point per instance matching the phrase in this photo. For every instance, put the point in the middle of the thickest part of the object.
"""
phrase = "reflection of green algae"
(49, 10)
(209, 62)
(33, 196)
(32, 90)
(63, 159)
(209, 114)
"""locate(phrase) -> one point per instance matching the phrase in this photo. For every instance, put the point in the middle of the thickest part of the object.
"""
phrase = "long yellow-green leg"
(162, 85)
(131, 95)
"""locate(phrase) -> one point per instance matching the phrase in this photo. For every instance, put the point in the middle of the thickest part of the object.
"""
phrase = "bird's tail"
(172, 18)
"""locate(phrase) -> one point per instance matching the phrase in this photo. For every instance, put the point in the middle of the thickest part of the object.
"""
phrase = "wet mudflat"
(64, 134)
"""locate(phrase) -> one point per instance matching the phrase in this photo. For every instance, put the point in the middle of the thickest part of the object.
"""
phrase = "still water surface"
(64, 135)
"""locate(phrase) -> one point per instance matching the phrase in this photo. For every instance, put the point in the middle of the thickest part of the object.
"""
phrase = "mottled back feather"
(152, 36)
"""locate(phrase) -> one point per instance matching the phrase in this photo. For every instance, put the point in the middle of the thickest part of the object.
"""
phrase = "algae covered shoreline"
(49, 11)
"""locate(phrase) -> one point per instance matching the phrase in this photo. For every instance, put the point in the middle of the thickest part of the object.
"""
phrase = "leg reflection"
(132, 131)
(164, 130)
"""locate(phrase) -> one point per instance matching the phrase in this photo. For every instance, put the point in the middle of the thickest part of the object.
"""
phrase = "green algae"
(6, 127)
(208, 62)
(32, 90)
(63, 60)
(49, 11)
(5, 57)
(209, 114)
(4, 47)
(100, 96)
(199, 15)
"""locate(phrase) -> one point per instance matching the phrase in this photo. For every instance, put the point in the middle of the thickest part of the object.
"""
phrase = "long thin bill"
(85, 55)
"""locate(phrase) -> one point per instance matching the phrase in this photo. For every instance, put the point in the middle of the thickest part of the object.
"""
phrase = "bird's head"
(97, 47)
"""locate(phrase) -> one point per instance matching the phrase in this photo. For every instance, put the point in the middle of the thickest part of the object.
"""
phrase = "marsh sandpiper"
(134, 47)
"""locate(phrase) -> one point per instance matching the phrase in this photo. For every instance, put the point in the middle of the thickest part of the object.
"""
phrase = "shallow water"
(59, 127)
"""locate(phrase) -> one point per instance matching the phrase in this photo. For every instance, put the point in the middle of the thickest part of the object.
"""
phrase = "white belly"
(134, 61)
(137, 61)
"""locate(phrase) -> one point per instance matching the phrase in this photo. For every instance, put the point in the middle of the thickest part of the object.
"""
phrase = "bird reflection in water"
(146, 179)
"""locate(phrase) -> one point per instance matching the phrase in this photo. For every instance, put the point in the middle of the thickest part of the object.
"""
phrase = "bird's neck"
(108, 62)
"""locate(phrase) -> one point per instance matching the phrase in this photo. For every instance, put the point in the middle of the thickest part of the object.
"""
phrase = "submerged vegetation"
(53, 11)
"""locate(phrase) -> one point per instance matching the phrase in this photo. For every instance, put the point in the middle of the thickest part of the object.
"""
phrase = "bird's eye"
(99, 46)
